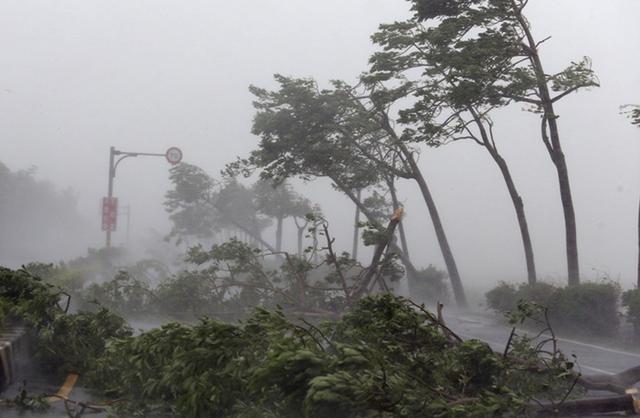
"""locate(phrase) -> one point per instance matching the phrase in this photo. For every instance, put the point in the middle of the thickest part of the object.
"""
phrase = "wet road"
(592, 358)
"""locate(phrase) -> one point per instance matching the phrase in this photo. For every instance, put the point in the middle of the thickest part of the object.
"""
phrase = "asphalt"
(592, 358)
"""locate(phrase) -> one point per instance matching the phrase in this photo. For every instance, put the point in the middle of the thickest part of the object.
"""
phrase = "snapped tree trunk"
(396, 205)
(412, 272)
(552, 142)
(354, 249)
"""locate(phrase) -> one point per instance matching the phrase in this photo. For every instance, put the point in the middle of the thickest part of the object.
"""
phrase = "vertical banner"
(109, 213)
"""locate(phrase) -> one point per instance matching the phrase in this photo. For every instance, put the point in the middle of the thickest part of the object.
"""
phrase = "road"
(592, 358)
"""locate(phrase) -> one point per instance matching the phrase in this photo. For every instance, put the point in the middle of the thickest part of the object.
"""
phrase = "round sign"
(174, 155)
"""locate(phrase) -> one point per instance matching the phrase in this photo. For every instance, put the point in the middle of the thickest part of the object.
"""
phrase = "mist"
(77, 77)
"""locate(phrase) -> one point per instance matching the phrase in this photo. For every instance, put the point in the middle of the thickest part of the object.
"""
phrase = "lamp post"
(109, 203)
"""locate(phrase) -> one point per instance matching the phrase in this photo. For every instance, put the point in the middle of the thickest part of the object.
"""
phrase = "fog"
(77, 77)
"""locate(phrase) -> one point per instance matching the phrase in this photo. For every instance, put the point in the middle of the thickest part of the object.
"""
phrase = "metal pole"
(110, 189)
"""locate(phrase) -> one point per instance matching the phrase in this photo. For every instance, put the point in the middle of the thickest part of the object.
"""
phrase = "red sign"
(109, 213)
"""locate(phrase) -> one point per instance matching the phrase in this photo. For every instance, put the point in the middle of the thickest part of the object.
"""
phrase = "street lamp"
(110, 203)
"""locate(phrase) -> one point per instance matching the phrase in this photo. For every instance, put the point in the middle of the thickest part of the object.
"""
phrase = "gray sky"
(79, 76)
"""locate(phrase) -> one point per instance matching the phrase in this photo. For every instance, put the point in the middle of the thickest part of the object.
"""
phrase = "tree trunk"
(569, 219)
(396, 205)
(522, 219)
(638, 278)
(552, 143)
(354, 250)
(450, 262)
(408, 265)
(279, 234)
(487, 140)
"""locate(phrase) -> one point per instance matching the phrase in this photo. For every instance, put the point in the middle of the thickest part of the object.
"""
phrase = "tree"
(496, 32)
(200, 206)
(34, 216)
(296, 125)
(334, 133)
(279, 201)
(368, 129)
(445, 107)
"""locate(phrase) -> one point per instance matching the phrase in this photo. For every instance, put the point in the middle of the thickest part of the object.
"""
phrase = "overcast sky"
(79, 76)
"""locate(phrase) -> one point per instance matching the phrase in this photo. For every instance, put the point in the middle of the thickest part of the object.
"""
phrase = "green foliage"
(24, 401)
(589, 309)
(124, 294)
(429, 285)
(27, 298)
(383, 358)
(73, 342)
(633, 113)
(61, 342)
(502, 298)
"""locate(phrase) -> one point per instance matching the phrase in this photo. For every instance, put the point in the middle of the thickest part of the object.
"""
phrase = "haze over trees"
(31, 208)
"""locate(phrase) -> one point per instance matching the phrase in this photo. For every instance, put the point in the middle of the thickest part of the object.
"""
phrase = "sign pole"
(110, 190)
(109, 204)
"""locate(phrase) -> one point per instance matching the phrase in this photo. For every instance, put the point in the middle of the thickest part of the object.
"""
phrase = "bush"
(430, 285)
(61, 342)
(589, 309)
(502, 298)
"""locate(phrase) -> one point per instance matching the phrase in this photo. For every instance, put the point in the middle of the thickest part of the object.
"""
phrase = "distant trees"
(201, 207)
(279, 201)
(36, 218)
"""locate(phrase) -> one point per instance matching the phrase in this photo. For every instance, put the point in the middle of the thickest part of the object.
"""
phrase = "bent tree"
(447, 106)
(366, 125)
(497, 31)
(297, 139)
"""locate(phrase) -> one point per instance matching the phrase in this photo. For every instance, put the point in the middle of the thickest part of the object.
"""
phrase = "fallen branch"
(618, 404)
(617, 383)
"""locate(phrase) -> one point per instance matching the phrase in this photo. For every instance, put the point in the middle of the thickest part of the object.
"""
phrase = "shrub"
(589, 309)
(61, 342)
(502, 298)
(430, 285)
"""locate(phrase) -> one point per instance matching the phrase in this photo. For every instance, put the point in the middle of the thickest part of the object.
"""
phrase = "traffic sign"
(174, 155)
